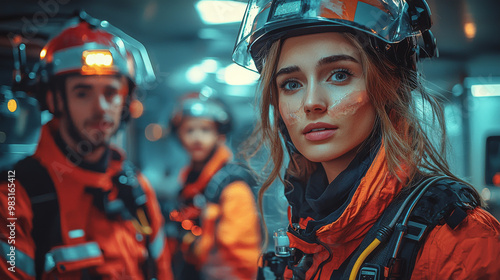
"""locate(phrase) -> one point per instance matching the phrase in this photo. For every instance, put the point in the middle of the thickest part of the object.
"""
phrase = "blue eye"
(290, 85)
(340, 75)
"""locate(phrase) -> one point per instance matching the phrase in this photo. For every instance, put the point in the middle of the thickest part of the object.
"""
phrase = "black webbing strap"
(381, 253)
(46, 231)
(229, 173)
(445, 201)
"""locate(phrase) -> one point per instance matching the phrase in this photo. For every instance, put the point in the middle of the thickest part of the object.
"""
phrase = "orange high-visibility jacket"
(91, 243)
(470, 251)
(229, 244)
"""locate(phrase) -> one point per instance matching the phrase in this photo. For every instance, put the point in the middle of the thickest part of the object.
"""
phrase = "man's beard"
(89, 141)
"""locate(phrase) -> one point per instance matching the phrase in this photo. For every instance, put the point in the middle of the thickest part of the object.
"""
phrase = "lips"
(319, 131)
(100, 125)
(197, 148)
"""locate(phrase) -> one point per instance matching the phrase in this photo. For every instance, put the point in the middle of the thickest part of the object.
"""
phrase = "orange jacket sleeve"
(158, 245)
(471, 251)
(235, 228)
(17, 246)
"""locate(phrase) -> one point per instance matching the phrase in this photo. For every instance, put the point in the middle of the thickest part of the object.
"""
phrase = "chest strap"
(69, 258)
(40, 188)
(228, 174)
(414, 215)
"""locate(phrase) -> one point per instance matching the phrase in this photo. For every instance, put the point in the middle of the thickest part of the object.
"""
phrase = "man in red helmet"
(76, 208)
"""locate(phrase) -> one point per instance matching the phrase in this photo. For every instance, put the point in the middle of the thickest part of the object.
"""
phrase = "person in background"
(371, 195)
(220, 233)
(80, 210)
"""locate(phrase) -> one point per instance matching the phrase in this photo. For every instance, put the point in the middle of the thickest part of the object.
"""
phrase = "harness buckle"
(415, 231)
(371, 272)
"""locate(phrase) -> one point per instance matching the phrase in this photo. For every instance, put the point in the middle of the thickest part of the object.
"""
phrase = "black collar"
(100, 166)
(326, 202)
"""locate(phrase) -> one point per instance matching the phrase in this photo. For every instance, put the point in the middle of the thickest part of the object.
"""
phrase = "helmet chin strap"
(290, 147)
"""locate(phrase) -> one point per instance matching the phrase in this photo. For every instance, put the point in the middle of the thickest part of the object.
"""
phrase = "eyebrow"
(286, 70)
(321, 62)
(335, 58)
(89, 87)
(81, 86)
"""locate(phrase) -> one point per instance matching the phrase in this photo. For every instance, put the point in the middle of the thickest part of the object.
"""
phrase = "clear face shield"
(137, 57)
(268, 20)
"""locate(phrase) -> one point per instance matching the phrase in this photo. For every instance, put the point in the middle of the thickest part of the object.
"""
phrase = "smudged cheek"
(290, 114)
(349, 105)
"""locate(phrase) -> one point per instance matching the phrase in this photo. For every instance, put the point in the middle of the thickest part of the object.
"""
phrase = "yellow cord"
(142, 225)
(362, 257)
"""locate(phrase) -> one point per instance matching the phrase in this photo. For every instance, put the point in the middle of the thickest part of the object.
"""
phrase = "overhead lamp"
(485, 90)
(195, 74)
(236, 75)
(220, 11)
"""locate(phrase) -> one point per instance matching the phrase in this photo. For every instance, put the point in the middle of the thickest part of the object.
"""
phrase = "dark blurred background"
(190, 54)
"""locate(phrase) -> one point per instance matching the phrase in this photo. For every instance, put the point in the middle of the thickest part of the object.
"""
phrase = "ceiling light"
(196, 74)
(485, 90)
(221, 11)
(237, 76)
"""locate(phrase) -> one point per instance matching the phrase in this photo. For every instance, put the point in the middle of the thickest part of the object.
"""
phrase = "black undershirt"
(99, 166)
(325, 202)
(194, 174)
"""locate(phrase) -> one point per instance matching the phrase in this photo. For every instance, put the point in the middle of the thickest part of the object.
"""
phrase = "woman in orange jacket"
(218, 214)
(371, 197)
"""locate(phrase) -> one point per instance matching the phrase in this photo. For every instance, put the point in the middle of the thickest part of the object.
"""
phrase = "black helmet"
(392, 26)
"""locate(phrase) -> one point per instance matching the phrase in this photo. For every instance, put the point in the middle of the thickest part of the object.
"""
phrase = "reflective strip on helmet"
(20, 260)
(71, 60)
(71, 253)
(156, 247)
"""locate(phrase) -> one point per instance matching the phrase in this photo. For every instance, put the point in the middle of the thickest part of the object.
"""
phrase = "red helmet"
(93, 47)
(86, 50)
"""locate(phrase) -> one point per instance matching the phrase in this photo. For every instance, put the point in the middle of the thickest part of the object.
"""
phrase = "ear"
(49, 100)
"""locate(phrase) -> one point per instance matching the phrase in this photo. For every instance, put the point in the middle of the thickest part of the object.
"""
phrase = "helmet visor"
(388, 20)
(137, 57)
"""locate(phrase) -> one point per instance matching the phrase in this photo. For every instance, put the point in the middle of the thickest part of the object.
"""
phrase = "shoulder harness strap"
(445, 201)
(229, 173)
(46, 231)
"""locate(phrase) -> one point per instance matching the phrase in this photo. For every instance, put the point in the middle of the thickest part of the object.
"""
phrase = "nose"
(197, 134)
(315, 100)
(101, 104)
